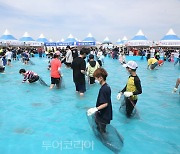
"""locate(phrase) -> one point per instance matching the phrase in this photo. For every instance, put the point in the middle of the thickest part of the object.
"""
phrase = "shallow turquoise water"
(34, 119)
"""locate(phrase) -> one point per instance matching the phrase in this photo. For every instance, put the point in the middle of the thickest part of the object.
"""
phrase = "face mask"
(97, 81)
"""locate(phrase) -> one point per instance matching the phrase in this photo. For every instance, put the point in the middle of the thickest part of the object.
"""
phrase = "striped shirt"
(29, 75)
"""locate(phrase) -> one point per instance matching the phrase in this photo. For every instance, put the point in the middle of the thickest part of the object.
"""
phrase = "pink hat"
(57, 53)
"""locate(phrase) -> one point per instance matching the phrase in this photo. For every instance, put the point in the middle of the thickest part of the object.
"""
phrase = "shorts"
(92, 80)
(9, 60)
(56, 81)
(80, 87)
(34, 79)
(2, 69)
(154, 65)
(26, 59)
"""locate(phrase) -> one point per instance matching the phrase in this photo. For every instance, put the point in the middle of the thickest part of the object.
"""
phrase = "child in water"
(132, 88)
(103, 109)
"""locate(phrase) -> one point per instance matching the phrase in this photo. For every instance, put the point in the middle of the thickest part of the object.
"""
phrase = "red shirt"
(160, 62)
(55, 64)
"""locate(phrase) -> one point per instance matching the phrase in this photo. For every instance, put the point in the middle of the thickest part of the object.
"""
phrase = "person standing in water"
(132, 88)
(91, 67)
(103, 109)
(2, 67)
(55, 71)
(79, 72)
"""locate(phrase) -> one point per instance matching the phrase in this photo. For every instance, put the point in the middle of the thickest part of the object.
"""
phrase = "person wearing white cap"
(132, 88)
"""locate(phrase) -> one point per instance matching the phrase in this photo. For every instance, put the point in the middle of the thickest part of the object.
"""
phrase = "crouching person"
(29, 76)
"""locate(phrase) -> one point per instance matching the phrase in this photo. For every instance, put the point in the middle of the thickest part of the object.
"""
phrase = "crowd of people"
(75, 59)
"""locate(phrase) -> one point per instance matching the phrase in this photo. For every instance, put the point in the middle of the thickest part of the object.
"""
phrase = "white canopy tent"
(27, 40)
(139, 40)
(170, 40)
(7, 39)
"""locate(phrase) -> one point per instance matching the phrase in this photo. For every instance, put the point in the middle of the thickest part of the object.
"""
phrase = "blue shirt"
(104, 96)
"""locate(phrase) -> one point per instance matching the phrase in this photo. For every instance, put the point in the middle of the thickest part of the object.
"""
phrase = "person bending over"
(152, 63)
(29, 76)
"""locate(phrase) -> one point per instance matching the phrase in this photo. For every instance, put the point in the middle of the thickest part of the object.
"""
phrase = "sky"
(56, 19)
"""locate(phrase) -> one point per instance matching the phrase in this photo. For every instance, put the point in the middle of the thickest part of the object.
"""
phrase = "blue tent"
(42, 39)
(119, 42)
(89, 38)
(139, 40)
(26, 38)
(106, 41)
(170, 40)
(170, 36)
(139, 36)
(7, 36)
(70, 39)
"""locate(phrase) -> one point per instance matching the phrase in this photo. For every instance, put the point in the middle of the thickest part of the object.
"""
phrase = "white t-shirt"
(8, 55)
(176, 54)
(69, 57)
(1, 63)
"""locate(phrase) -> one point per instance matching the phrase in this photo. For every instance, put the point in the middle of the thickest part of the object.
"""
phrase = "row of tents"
(170, 39)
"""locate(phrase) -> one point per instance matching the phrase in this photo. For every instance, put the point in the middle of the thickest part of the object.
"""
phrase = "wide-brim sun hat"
(131, 64)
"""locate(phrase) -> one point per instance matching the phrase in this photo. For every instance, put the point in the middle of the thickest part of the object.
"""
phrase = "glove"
(174, 90)
(119, 96)
(128, 94)
(91, 111)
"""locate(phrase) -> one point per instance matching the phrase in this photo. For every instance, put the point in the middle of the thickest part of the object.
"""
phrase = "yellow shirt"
(131, 87)
(152, 61)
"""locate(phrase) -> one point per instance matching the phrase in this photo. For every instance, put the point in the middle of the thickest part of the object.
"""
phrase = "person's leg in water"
(92, 80)
(53, 82)
(101, 125)
(129, 106)
(2, 69)
(177, 60)
(58, 83)
(154, 65)
(33, 79)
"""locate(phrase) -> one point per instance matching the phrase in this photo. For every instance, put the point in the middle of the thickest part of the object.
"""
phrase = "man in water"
(103, 109)
(29, 76)
(79, 71)
(55, 71)
(132, 88)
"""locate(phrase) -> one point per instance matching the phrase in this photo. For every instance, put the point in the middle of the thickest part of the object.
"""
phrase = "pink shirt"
(55, 64)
